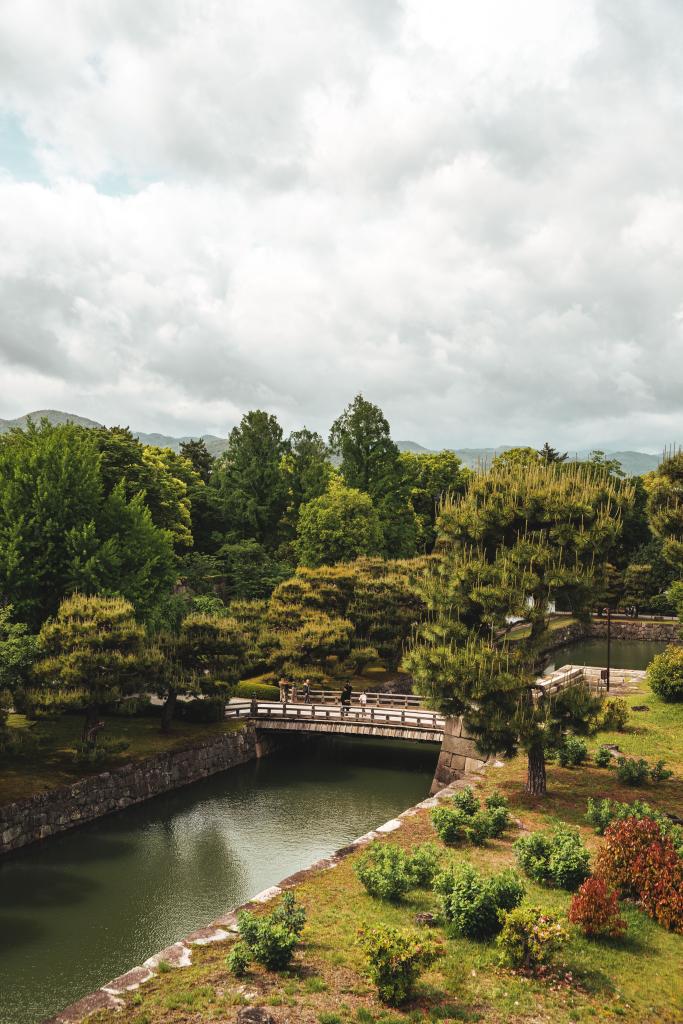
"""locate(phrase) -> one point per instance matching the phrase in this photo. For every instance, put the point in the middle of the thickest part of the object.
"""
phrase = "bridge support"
(459, 755)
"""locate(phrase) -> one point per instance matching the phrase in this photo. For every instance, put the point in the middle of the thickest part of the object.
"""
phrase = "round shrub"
(603, 758)
(573, 752)
(613, 715)
(625, 842)
(595, 909)
(529, 937)
(499, 819)
(558, 858)
(238, 959)
(632, 772)
(395, 959)
(271, 939)
(423, 864)
(471, 903)
(262, 691)
(385, 871)
(665, 674)
(466, 801)
(479, 828)
(452, 826)
(497, 800)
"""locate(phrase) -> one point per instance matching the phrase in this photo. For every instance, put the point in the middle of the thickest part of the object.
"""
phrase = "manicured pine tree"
(94, 644)
(520, 535)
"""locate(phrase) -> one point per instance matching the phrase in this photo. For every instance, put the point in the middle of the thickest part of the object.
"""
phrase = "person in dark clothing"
(345, 699)
(306, 691)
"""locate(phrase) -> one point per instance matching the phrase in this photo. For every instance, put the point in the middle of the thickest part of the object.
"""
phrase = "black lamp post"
(609, 642)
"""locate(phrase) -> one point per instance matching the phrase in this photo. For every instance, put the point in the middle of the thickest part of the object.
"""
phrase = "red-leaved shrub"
(595, 909)
(659, 871)
(625, 842)
(637, 860)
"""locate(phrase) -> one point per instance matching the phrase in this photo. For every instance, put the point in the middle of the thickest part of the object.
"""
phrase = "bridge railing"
(375, 698)
(413, 718)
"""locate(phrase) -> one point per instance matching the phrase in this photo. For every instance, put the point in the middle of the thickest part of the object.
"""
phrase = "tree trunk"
(535, 782)
(168, 710)
(90, 725)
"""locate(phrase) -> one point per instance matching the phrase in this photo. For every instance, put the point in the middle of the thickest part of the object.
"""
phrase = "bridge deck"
(390, 722)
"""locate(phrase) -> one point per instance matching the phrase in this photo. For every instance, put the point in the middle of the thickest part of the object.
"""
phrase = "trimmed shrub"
(471, 903)
(658, 773)
(665, 674)
(632, 772)
(452, 826)
(385, 870)
(612, 717)
(271, 939)
(573, 752)
(497, 800)
(262, 691)
(466, 801)
(238, 959)
(595, 909)
(603, 758)
(530, 937)
(558, 858)
(479, 828)
(423, 864)
(625, 843)
(396, 958)
(498, 821)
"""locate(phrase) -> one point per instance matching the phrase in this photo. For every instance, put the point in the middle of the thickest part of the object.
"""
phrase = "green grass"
(51, 764)
(637, 979)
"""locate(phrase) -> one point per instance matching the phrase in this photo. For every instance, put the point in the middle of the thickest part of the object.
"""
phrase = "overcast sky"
(472, 212)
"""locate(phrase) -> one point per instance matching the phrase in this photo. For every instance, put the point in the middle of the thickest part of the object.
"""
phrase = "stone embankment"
(620, 629)
(46, 814)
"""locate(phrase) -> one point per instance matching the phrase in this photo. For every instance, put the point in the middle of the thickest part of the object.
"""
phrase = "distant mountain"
(633, 463)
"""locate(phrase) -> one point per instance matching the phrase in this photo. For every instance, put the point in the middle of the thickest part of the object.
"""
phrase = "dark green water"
(84, 907)
(624, 654)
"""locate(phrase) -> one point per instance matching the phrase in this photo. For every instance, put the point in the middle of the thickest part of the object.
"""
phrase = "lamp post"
(609, 642)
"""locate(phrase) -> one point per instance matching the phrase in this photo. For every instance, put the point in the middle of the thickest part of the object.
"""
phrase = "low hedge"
(261, 690)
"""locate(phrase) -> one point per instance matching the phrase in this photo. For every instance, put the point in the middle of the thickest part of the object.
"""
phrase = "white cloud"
(470, 212)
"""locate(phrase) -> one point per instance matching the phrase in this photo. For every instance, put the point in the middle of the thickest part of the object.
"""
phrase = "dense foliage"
(395, 959)
(471, 903)
(665, 674)
(556, 858)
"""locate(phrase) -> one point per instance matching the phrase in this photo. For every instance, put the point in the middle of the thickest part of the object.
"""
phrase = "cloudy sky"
(472, 212)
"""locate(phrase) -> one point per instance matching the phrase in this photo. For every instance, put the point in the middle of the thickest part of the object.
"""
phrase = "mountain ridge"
(633, 462)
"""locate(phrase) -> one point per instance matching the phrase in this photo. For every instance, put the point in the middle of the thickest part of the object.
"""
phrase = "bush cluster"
(269, 939)
(529, 937)
(573, 752)
(632, 772)
(601, 813)
(202, 711)
(638, 860)
(395, 958)
(467, 821)
(595, 909)
(557, 858)
(665, 674)
(471, 903)
(603, 758)
(387, 871)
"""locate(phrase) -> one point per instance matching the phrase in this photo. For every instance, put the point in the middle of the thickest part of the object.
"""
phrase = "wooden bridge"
(400, 718)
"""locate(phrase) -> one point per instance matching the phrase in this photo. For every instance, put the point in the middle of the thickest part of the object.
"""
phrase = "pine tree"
(519, 536)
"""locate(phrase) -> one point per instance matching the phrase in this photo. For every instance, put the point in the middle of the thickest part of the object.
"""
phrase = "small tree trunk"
(535, 782)
(168, 710)
(90, 725)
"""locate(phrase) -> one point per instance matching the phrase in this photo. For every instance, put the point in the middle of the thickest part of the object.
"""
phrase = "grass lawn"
(637, 979)
(52, 764)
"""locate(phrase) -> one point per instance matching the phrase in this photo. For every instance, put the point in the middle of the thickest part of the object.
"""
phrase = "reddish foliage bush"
(625, 842)
(659, 871)
(595, 909)
(638, 860)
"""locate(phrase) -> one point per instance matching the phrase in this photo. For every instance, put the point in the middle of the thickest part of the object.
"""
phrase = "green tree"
(361, 439)
(337, 527)
(548, 454)
(665, 506)
(523, 456)
(430, 477)
(199, 457)
(94, 644)
(202, 654)
(250, 480)
(519, 536)
(18, 651)
(249, 570)
(60, 531)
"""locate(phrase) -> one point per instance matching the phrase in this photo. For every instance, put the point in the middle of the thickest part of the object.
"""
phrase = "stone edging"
(225, 928)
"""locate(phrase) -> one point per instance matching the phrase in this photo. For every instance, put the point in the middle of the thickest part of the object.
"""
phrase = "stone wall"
(636, 629)
(459, 755)
(46, 814)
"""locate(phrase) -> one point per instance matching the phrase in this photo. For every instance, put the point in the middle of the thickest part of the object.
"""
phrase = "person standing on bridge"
(306, 691)
(345, 699)
(363, 701)
(283, 690)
